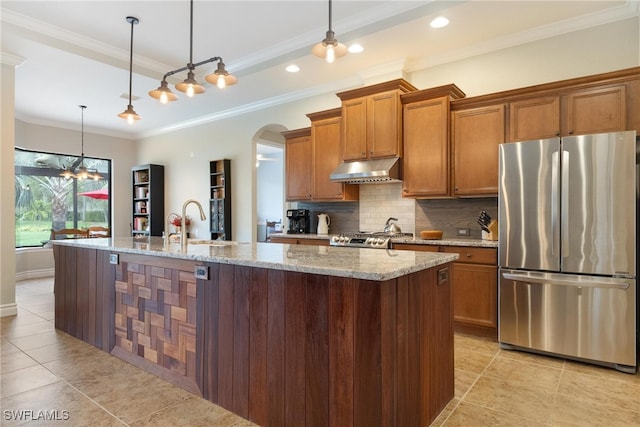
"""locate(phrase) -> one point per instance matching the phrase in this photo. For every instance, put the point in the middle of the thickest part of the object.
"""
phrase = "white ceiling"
(77, 52)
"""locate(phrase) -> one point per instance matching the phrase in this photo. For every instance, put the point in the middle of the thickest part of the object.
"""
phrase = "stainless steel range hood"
(376, 171)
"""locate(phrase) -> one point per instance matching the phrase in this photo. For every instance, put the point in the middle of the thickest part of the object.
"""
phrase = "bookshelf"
(220, 199)
(148, 200)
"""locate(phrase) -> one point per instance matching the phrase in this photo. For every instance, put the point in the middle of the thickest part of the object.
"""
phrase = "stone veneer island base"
(281, 335)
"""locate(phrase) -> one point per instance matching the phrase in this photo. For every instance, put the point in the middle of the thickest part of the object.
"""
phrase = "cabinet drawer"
(473, 255)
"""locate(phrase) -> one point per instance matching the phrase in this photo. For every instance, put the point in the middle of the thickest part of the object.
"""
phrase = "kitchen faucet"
(183, 229)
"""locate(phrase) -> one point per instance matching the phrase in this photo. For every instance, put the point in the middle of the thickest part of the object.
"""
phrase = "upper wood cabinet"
(326, 148)
(372, 120)
(476, 135)
(298, 164)
(426, 159)
(580, 112)
(536, 118)
(595, 110)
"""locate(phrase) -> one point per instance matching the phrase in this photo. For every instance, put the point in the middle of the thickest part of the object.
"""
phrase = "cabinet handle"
(570, 132)
(557, 133)
(468, 255)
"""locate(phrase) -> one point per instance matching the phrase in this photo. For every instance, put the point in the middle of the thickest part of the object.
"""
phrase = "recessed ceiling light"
(293, 68)
(355, 48)
(439, 22)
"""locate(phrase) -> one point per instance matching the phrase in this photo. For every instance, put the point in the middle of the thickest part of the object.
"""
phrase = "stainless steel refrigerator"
(567, 247)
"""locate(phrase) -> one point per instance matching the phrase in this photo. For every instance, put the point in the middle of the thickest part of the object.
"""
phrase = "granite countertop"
(448, 242)
(366, 264)
(411, 240)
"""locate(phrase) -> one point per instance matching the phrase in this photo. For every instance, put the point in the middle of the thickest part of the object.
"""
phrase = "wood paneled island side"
(283, 335)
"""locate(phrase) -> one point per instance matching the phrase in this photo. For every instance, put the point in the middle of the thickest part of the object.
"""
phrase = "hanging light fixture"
(83, 172)
(329, 48)
(129, 114)
(190, 86)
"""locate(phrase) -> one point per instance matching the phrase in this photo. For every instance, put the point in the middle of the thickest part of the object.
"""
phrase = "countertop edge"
(296, 258)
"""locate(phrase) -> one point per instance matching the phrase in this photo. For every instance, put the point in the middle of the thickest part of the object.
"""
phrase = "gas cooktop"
(362, 239)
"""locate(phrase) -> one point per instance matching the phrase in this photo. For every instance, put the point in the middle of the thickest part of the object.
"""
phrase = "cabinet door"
(326, 157)
(594, 111)
(426, 148)
(384, 134)
(354, 130)
(477, 133)
(298, 168)
(474, 290)
(537, 118)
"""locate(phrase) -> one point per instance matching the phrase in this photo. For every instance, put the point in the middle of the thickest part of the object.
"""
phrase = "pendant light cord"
(329, 15)
(191, 67)
(133, 21)
(82, 107)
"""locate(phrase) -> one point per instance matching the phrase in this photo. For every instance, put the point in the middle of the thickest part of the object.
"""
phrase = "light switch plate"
(464, 232)
(202, 272)
(113, 259)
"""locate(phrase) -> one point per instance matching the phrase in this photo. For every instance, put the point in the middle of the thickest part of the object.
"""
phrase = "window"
(45, 200)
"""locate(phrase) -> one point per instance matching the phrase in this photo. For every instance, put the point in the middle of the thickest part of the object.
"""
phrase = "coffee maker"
(298, 221)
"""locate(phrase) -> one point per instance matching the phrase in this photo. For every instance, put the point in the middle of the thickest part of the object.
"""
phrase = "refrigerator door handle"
(554, 203)
(564, 204)
(574, 281)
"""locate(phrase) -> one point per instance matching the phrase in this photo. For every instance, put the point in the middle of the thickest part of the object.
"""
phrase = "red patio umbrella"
(103, 193)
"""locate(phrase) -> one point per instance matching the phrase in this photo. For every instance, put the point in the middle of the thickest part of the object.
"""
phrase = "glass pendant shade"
(329, 48)
(190, 86)
(221, 77)
(67, 174)
(163, 93)
(129, 115)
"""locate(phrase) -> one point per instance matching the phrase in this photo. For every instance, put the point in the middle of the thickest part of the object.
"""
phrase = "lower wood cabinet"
(474, 283)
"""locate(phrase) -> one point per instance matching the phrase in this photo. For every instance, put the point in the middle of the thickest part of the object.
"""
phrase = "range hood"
(376, 171)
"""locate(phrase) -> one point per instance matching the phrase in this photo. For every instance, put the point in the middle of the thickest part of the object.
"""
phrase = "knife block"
(493, 231)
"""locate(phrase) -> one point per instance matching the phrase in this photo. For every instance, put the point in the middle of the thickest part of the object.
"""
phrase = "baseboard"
(8, 310)
(35, 274)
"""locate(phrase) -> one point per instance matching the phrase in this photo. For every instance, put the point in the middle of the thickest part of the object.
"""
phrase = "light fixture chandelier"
(83, 172)
(329, 48)
(129, 114)
(190, 86)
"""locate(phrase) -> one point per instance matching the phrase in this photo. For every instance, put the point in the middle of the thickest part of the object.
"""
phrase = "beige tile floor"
(46, 370)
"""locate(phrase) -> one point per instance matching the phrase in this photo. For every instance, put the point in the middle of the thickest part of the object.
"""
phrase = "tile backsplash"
(450, 214)
(378, 202)
(381, 201)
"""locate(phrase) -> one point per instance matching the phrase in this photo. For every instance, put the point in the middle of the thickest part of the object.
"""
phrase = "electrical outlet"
(202, 272)
(464, 232)
(113, 259)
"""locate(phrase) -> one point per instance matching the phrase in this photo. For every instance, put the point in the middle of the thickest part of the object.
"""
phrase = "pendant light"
(329, 48)
(83, 172)
(129, 114)
(190, 86)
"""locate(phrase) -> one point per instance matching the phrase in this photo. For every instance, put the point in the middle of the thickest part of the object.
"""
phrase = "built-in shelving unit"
(220, 199)
(148, 200)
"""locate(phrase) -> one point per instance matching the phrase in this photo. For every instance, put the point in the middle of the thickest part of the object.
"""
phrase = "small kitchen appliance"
(568, 249)
(323, 224)
(298, 220)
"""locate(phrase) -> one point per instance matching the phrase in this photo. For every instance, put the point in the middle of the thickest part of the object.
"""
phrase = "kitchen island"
(279, 334)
